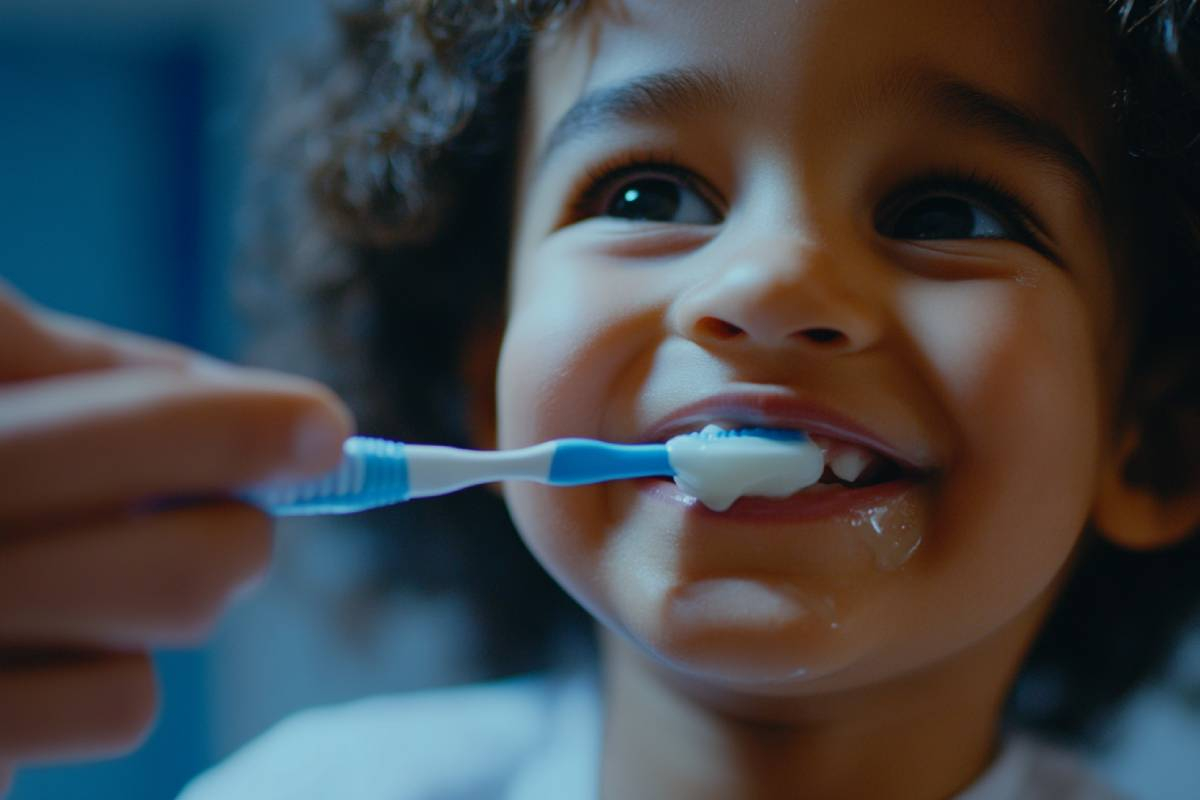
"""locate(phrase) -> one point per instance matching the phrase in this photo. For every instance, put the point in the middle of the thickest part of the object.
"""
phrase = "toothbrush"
(714, 465)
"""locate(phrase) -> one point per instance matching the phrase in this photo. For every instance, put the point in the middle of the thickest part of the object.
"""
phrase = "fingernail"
(316, 442)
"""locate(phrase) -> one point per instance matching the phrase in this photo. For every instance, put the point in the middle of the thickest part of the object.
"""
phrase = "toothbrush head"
(718, 466)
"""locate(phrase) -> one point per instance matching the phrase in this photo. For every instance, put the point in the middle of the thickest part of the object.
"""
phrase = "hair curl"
(378, 216)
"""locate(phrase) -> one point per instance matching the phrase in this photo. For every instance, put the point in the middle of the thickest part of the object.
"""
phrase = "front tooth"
(849, 462)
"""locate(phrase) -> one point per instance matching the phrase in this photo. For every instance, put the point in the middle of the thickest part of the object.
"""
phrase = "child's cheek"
(578, 323)
(1015, 368)
(577, 327)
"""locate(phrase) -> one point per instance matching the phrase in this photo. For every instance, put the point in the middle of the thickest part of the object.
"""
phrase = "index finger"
(37, 342)
(79, 442)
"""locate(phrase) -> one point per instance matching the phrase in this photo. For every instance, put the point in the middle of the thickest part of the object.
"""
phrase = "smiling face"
(877, 221)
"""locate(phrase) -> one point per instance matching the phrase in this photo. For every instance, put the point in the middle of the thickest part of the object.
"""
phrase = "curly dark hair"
(375, 160)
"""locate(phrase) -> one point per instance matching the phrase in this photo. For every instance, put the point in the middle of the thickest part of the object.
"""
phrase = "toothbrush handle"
(578, 461)
(378, 472)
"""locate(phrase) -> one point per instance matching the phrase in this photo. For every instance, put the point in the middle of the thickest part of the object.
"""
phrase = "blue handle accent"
(578, 461)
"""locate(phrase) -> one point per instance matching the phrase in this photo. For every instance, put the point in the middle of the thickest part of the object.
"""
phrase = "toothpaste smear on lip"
(717, 469)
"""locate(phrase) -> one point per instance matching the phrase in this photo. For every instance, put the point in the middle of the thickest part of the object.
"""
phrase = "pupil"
(936, 218)
(647, 199)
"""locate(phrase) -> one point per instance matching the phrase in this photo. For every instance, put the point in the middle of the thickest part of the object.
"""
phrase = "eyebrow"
(673, 93)
(689, 91)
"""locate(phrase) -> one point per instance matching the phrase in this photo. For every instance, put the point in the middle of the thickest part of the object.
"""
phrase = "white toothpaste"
(717, 470)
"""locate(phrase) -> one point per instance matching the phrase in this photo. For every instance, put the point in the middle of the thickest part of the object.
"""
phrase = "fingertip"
(292, 426)
(326, 401)
(315, 396)
(324, 424)
(338, 407)
(132, 707)
(257, 544)
(78, 707)
(318, 439)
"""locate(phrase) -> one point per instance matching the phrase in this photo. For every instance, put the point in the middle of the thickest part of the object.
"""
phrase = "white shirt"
(535, 737)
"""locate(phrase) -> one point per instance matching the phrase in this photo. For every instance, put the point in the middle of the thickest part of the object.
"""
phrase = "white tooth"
(711, 430)
(850, 462)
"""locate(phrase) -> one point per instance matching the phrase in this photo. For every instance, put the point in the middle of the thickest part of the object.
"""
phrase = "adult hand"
(98, 427)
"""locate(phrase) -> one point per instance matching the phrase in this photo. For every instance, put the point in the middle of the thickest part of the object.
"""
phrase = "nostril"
(820, 335)
(717, 328)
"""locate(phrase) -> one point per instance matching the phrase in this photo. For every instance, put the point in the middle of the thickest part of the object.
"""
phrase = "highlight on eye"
(646, 187)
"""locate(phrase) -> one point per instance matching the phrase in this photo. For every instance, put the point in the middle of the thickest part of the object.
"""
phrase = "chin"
(790, 646)
(745, 671)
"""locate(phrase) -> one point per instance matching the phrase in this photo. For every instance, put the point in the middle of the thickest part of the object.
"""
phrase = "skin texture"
(96, 425)
(994, 361)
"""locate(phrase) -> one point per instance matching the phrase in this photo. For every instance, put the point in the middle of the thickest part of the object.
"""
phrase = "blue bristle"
(779, 434)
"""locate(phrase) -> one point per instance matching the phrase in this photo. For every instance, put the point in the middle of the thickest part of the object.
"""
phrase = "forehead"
(791, 59)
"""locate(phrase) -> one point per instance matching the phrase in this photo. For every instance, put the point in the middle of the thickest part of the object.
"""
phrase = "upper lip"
(778, 411)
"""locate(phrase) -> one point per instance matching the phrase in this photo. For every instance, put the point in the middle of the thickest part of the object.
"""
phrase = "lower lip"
(805, 506)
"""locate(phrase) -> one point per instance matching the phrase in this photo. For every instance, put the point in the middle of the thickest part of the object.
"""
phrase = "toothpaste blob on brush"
(713, 465)
(717, 466)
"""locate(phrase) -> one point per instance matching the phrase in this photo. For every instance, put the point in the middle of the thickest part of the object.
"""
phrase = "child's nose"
(794, 298)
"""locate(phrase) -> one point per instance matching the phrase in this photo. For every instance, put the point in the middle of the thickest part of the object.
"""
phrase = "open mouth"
(855, 479)
(848, 465)
(868, 488)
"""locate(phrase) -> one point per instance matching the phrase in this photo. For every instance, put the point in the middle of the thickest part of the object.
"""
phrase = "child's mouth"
(854, 479)
(883, 511)
(871, 493)
(848, 467)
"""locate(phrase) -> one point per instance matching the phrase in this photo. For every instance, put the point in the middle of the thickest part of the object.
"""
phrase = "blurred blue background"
(125, 125)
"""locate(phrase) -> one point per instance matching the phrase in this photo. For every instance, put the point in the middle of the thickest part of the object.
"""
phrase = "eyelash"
(986, 189)
(597, 180)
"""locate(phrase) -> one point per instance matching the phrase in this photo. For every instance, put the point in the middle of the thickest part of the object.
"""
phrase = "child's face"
(795, 259)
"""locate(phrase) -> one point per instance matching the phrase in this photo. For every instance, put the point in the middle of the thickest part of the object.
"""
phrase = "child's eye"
(646, 191)
(947, 218)
(950, 205)
(656, 199)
